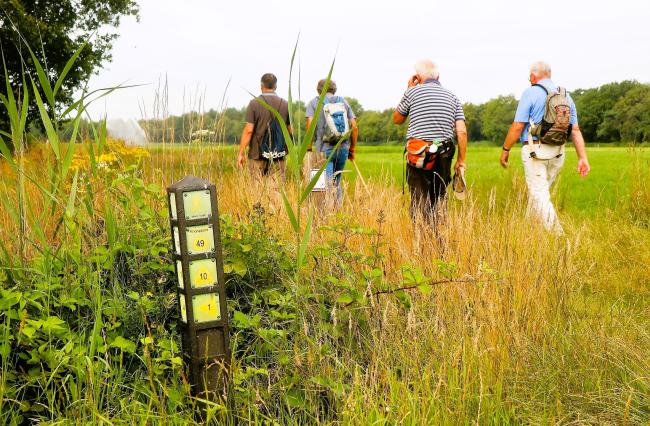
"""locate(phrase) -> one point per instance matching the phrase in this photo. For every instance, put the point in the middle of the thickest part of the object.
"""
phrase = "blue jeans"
(336, 164)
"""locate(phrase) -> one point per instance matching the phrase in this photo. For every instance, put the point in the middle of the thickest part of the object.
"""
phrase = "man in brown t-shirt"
(258, 119)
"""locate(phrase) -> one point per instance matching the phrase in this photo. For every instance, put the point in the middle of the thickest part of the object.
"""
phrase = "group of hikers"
(545, 120)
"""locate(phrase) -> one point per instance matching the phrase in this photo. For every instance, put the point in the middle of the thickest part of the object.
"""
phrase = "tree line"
(610, 113)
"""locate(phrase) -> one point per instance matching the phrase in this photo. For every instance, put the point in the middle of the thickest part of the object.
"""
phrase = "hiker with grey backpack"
(545, 120)
(336, 120)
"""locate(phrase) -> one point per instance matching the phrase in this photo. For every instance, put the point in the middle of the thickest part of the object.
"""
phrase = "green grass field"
(607, 186)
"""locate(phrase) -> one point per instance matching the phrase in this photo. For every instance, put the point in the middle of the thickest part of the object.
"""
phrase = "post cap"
(189, 182)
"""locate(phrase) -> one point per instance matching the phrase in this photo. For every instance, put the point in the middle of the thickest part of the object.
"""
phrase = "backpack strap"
(333, 99)
(531, 141)
(268, 101)
(532, 124)
(543, 88)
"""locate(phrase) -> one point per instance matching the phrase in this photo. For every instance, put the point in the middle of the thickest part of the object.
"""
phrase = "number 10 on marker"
(203, 273)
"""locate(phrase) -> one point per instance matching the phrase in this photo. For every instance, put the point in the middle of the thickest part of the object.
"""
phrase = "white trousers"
(540, 175)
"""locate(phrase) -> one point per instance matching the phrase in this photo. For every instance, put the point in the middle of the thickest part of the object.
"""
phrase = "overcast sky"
(483, 48)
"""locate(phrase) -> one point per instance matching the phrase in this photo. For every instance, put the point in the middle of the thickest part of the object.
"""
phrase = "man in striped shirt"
(435, 115)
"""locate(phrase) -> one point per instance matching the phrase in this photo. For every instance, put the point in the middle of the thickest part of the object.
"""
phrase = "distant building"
(203, 135)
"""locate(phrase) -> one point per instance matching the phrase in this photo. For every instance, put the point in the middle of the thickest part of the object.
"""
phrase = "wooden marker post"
(194, 218)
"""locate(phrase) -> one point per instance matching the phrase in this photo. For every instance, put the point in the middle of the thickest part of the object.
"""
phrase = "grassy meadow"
(604, 189)
(494, 321)
(609, 184)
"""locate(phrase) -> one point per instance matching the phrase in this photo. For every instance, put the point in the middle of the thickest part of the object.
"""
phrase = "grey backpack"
(336, 119)
(555, 128)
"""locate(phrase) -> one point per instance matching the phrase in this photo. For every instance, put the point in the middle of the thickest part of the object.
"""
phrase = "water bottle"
(433, 148)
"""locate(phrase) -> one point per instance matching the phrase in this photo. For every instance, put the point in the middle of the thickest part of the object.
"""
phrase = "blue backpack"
(273, 146)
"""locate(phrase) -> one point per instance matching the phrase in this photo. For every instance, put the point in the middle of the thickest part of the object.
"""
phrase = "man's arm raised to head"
(404, 106)
(579, 143)
(511, 139)
(398, 118)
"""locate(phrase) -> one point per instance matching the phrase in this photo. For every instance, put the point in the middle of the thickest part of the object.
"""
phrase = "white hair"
(540, 69)
(427, 69)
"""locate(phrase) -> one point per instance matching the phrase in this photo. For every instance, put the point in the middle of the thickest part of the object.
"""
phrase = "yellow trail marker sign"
(179, 272)
(177, 241)
(206, 307)
(181, 298)
(172, 205)
(197, 204)
(200, 239)
(203, 273)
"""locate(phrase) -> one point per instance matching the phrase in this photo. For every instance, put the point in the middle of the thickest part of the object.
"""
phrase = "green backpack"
(555, 128)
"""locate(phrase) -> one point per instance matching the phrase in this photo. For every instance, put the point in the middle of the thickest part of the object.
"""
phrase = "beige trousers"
(540, 175)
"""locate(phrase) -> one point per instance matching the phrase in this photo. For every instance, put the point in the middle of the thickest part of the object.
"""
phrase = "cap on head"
(269, 81)
(331, 88)
(540, 69)
(427, 69)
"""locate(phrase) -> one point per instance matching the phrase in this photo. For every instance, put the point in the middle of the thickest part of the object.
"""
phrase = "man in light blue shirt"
(541, 170)
(532, 103)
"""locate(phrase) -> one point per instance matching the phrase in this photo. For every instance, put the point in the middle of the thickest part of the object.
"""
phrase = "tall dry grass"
(556, 330)
(534, 328)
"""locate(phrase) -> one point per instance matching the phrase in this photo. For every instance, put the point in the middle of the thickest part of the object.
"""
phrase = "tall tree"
(594, 105)
(473, 119)
(371, 125)
(356, 106)
(54, 30)
(629, 119)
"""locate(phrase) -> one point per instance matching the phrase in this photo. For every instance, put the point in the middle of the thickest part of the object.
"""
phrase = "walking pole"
(360, 176)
